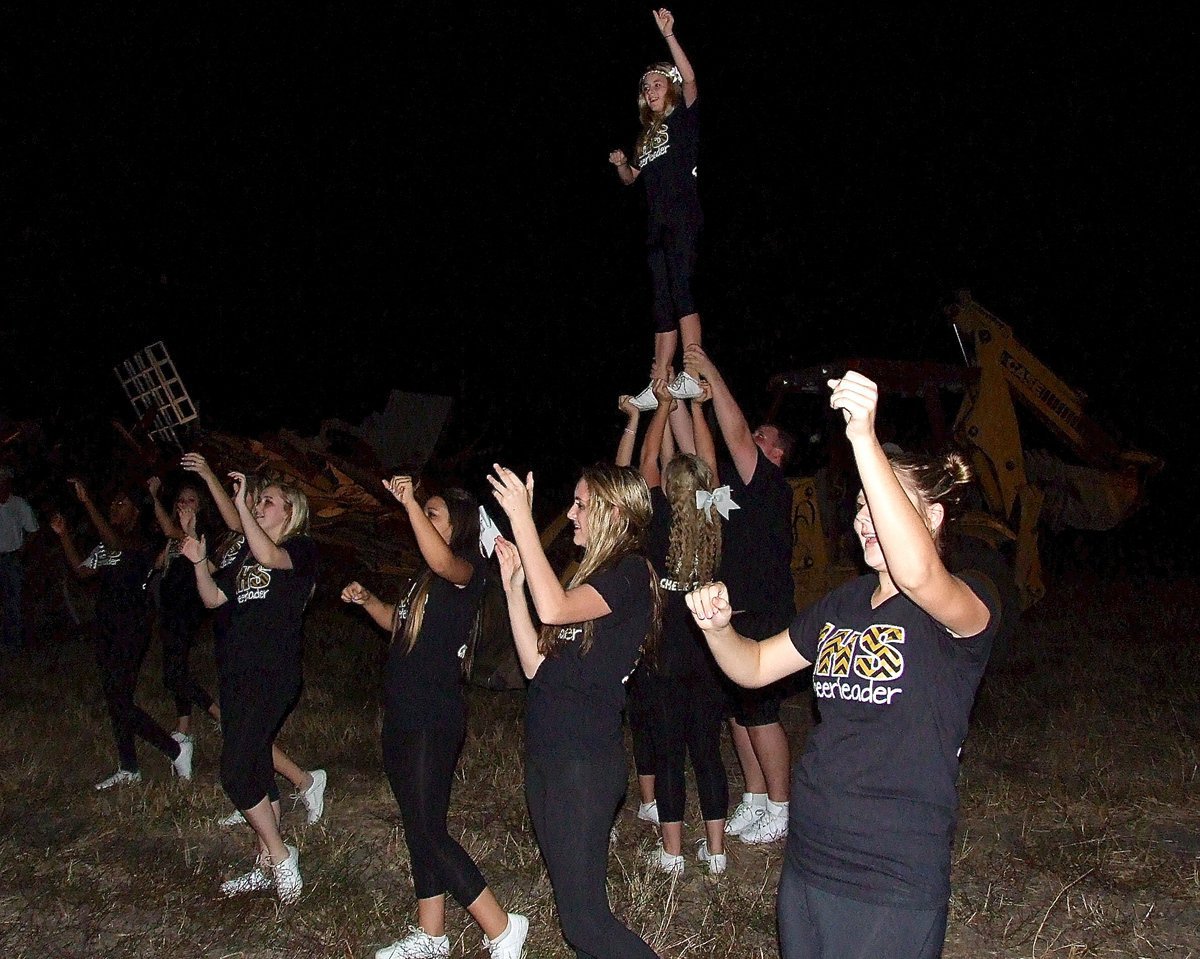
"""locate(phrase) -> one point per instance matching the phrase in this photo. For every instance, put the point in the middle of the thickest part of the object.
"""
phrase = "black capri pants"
(572, 802)
(671, 256)
(689, 713)
(121, 645)
(420, 766)
(253, 708)
(178, 633)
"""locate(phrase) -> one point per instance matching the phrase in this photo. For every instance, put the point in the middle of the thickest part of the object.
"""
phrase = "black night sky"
(315, 204)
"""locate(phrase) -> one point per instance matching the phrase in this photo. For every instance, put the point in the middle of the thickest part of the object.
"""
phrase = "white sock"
(756, 800)
(777, 809)
(645, 807)
(504, 935)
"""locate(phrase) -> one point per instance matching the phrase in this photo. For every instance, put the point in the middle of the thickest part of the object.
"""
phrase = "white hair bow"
(719, 498)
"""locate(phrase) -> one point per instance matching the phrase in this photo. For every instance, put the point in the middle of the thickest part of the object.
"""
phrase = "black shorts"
(671, 255)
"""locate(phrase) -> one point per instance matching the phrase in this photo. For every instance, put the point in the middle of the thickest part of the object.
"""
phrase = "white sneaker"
(648, 811)
(662, 861)
(511, 944)
(717, 861)
(181, 765)
(768, 828)
(256, 880)
(287, 878)
(746, 815)
(235, 818)
(418, 944)
(645, 400)
(685, 387)
(314, 796)
(122, 777)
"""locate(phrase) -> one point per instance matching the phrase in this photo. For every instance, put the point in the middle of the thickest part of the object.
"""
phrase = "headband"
(671, 74)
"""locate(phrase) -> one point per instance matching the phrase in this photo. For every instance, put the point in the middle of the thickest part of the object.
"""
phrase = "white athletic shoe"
(122, 777)
(287, 878)
(746, 815)
(645, 400)
(181, 765)
(257, 879)
(768, 828)
(717, 861)
(418, 944)
(314, 796)
(511, 944)
(648, 811)
(235, 818)
(662, 861)
(685, 387)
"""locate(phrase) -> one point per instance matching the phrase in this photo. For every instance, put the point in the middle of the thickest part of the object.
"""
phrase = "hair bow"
(719, 498)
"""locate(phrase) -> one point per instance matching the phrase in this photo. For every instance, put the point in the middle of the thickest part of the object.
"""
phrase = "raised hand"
(194, 549)
(858, 398)
(58, 524)
(81, 492)
(618, 158)
(356, 593)
(625, 405)
(514, 497)
(512, 573)
(705, 393)
(665, 21)
(187, 521)
(239, 489)
(195, 463)
(696, 362)
(662, 394)
(154, 485)
(403, 489)
(709, 606)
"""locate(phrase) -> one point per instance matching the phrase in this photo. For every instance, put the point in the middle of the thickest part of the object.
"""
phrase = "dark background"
(314, 206)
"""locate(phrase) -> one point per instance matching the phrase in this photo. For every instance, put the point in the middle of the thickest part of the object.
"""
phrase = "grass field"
(1079, 836)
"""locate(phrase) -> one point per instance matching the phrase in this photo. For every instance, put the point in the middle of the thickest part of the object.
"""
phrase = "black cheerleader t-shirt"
(573, 709)
(874, 797)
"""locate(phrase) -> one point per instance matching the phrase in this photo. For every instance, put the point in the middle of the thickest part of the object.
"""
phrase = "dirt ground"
(1079, 834)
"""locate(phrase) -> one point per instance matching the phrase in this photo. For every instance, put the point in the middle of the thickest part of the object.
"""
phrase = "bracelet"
(202, 559)
(630, 432)
(667, 36)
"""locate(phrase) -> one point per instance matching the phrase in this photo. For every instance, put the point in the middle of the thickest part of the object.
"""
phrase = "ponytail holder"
(719, 498)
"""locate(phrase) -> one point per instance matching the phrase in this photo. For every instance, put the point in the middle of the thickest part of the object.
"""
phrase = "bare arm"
(108, 536)
(665, 22)
(706, 449)
(434, 550)
(734, 428)
(653, 443)
(629, 434)
(265, 551)
(524, 633)
(195, 463)
(166, 522)
(67, 541)
(626, 173)
(554, 604)
(681, 428)
(905, 533)
(196, 550)
(746, 662)
(384, 614)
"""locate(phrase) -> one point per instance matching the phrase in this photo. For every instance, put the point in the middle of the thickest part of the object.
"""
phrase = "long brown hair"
(651, 121)
(463, 511)
(618, 513)
(694, 547)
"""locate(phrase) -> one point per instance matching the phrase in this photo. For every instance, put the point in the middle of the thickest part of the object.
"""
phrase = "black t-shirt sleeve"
(303, 553)
(979, 646)
(616, 586)
(805, 629)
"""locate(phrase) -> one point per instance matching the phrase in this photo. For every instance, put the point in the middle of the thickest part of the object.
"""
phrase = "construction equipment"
(1022, 489)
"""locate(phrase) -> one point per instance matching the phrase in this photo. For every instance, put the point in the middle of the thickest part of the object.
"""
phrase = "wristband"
(630, 432)
(202, 559)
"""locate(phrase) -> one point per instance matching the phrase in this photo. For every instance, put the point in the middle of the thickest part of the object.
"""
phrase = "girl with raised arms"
(259, 669)
(425, 718)
(897, 656)
(665, 159)
(594, 632)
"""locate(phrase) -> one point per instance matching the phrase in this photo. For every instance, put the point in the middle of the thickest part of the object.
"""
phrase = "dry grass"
(1080, 832)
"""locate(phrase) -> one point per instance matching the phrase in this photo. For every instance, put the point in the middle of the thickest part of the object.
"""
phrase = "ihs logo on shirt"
(847, 656)
(253, 582)
(656, 146)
